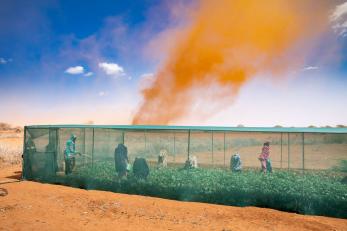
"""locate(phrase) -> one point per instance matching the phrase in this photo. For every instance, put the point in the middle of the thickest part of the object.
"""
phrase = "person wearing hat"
(69, 154)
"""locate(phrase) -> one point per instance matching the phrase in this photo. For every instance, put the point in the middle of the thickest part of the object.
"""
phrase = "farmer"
(140, 168)
(162, 158)
(191, 162)
(264, 158)
(235, 163)
(121, 160)
(69, 154)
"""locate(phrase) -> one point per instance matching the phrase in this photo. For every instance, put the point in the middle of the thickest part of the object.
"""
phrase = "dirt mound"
(36, 206)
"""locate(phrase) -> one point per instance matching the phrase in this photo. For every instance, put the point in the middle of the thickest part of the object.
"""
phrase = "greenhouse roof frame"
(201, 128)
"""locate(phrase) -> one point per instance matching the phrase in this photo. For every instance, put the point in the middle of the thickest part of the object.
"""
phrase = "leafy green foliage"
(342, 167)
(319, 193)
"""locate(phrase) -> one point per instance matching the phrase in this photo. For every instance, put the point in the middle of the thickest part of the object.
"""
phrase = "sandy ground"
(28, 205)
(37, 206)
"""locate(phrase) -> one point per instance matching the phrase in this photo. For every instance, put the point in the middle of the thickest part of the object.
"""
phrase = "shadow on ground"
(3, 192)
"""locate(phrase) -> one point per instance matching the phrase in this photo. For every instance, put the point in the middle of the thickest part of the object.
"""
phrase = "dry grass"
(11, 147)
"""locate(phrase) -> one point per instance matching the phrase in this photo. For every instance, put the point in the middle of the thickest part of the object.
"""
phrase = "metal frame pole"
(24, 162)
(93, 150)
(123, 138)
(224, 149)
(288, 151)
(174, 147)
(303, 151)
(212, 148)
(188, 148)
(84, 146)
(281, 148)
(56, 148)
(145, 133)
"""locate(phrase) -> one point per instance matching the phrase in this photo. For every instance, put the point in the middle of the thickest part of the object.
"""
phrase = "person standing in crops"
(69, 154)
(264, 158)
(121, 160)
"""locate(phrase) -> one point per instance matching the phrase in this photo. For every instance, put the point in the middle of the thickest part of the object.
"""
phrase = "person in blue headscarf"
(70, 153)
(235, 163)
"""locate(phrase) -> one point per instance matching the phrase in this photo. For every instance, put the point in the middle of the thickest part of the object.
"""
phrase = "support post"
(281, 149)
(123, 137)
(25, 157)
(224, 149)
(145, 140)
(288, 151)
(84, 146)
(93, 149)
(56, 149)
(303, 151)
(212, 147)
(174, 147)
(188, 148)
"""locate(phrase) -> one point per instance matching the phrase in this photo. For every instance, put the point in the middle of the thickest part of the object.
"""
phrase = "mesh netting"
(309, 169)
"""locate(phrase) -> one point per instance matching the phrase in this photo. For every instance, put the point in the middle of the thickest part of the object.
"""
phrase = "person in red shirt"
(264, 156)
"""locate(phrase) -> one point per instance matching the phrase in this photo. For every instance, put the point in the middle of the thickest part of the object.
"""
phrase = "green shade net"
(304, 179)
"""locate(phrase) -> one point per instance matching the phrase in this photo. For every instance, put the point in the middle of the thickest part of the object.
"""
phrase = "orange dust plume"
(226, 43)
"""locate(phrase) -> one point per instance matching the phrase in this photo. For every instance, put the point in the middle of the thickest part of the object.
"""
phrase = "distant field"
(321, 151)
(11, 147)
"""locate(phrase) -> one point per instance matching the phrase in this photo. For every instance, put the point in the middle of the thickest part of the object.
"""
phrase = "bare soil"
(26, 205)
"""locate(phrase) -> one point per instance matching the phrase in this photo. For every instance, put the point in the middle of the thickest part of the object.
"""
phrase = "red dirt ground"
(37, 206)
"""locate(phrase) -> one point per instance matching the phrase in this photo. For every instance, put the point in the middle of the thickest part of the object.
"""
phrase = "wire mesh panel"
(315, 184)
(219, 149)
(105, 143)
(324, 151)
(136, 143)
(39, 153)
(295, 151)
(201, 147)
(156, 141)
(179, 146)
(249, 147)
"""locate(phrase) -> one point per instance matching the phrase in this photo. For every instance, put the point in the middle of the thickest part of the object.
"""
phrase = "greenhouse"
(305, 171)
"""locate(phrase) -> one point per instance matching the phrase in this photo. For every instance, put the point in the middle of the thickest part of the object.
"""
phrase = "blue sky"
(78, 61)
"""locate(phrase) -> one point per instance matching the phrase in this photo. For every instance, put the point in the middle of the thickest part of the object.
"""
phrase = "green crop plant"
(318, 193)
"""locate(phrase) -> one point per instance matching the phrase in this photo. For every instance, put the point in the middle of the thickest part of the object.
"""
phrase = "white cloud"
(112, 69)
(5, 61)
(339, 11)
(88, 74)
(308, 68)
(147, 76)
(75, 70)
(339, 19)
(102, 93)
(146, 80)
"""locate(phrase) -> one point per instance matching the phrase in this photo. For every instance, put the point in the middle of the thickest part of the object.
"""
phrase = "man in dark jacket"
(121, 160)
